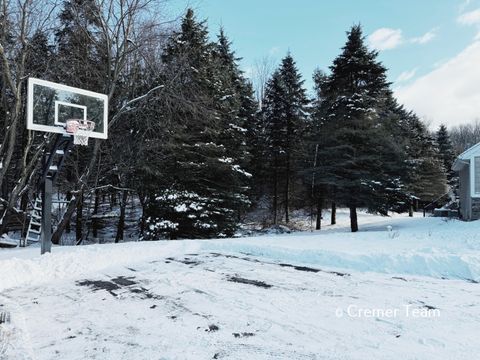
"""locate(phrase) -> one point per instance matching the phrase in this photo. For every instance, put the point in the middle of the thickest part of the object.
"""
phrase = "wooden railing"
(435, 203)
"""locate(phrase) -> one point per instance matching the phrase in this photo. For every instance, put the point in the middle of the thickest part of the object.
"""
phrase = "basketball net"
(80, 129)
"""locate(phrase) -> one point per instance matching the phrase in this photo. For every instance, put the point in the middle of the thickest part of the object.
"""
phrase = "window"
(476, 179)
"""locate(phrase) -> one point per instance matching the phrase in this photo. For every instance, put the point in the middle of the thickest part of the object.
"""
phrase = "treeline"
(188, 138)
(352, 145)
(464, 136)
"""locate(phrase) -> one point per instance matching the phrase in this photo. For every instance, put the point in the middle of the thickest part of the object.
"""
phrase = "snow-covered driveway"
(212, 300)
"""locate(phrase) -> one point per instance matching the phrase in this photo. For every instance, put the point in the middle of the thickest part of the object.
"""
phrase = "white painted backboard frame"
(56, 126)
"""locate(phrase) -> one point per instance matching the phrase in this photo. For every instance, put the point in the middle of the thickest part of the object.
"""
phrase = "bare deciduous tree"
(465, 136)
(19, 20)
(262, 71)
(122, 38)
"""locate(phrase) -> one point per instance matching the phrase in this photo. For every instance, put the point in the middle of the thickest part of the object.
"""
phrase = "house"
(467, 165)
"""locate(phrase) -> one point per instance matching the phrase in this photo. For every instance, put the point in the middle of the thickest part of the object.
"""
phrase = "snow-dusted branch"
(110, 186)
(126, 107)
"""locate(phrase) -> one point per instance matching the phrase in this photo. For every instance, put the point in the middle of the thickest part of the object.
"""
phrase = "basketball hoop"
(80, 129)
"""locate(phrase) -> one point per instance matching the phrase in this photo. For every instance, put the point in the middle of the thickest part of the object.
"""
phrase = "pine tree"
(358, 153)
(446, 153)
(78, 59)
(422, 176)
(426, 178)
(40, 57)
(234, 106)
(258, 149)
(284, 115)
(273, 136)
(316, 190)
(205, 171)
(234, 99)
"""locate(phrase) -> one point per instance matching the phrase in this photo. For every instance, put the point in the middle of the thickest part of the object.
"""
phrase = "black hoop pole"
(59, 150)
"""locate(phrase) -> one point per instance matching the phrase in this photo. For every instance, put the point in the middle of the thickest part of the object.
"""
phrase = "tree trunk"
(275, 192)
(67, 226)
(8, 146)
(18, 189)
(79, 220)
(319, 214)
(410, 209)
(333, 218)
(23, 207)
(353, 218)
(95, 212)
(24, 202)
(121, 220)
(112, 201)
(142, 220)
(287, 190)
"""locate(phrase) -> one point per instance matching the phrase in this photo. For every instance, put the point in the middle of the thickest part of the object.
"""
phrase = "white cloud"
(449, 94)
(470, 18)
(385, 39)
(425, 38)
(406, 75)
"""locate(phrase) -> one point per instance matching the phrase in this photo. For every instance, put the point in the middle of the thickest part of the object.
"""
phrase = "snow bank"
(420, 246)
(400, 245)
(26, 266)
(430, 263)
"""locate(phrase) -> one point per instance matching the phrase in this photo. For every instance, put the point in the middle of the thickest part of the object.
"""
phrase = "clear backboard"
(50, 106)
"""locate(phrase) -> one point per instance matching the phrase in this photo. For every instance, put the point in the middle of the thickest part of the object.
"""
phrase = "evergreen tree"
(206, 169)
(284, 115)
(358, 154)
(273, 137)
(395, 121)
(446, 153)
(234, 106)
(426, 174)
(422, 176)
(317, 190)
(40, 57)
(79, 60)
(235, 103)
(256, 142)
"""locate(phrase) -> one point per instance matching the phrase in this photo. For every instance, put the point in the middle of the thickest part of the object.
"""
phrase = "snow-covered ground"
(401, 288)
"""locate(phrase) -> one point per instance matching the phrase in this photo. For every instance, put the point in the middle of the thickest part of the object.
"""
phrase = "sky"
(431, 47)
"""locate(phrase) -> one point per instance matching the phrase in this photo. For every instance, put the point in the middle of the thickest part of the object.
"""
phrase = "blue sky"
(415, 37)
